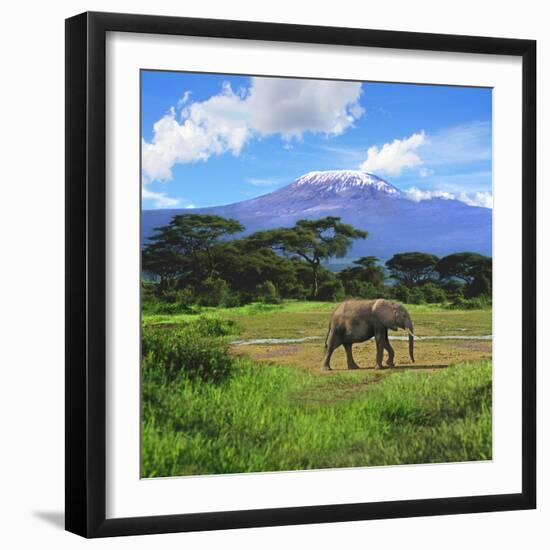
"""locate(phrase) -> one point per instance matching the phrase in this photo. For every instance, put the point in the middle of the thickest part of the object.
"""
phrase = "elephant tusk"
(413, 335)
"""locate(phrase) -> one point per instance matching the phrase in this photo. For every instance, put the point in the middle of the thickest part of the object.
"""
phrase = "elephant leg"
(349, 355)
(333, 341)
(389, 349)
(379, 336)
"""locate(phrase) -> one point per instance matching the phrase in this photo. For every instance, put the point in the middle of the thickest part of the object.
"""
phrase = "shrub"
(407, 295)
(480, 302)
(416, 296)
(185, 296)
(169, 353)
(433, 293)
(168, 302)
(267, 293)
(213, 292)
(362, 289)
(297, 292)
(481, 285)
(244, 297)
(232, 300)
(212, 326)
(331, 291)
(453, 289)
(400, 293)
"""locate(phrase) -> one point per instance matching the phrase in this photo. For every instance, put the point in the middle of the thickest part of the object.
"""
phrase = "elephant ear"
(387, 313)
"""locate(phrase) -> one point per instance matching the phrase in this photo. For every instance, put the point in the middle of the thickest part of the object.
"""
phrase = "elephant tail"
(411, 346)
(326, 337)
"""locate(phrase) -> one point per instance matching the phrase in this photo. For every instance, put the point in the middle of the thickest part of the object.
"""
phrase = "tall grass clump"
(212, 326)
(273, 418)
(189, 352)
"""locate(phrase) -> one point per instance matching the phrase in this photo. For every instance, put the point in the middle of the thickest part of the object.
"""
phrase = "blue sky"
(216, 139)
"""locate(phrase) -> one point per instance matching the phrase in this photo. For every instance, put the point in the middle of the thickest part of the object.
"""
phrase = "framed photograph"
(300, 274)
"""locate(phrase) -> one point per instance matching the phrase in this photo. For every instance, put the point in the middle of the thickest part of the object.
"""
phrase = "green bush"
(407, 295)
(331, 291)
(297, 292)
(361, 289)
(212, 326)
(169, 301)
(171, 353)
(416, 296)
(433, 294)
(267, 293)
(480, 302)
(232, 300)
(213, 292)
(401, 293)
(480, 286)
(453, 289)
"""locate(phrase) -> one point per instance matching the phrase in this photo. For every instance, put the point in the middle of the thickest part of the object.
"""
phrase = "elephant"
(356, 321)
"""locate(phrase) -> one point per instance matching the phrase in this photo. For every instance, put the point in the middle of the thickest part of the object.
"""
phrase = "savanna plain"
(253, 398)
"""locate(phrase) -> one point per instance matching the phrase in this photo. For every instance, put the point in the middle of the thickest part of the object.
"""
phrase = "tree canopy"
(464, 265)
(365, 269)
(411, 268)
(187, 240)
(196, 259)
(312, 241)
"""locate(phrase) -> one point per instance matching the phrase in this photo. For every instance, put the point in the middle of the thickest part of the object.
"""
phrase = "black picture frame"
(86, 279)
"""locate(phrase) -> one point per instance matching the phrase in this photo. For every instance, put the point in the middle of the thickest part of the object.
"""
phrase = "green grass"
(270, 408)
(255, 309)
(271, 418)
(297, 319)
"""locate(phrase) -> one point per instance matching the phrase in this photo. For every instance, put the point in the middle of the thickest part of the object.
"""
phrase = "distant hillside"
(395, 223)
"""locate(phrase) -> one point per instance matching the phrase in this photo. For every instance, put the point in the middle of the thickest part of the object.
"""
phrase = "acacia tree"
(411, 268)
(186, 244)
(312, 241)
(472, 268)
(365, 269)
(199, 233)
(163, 256)
(463, 265)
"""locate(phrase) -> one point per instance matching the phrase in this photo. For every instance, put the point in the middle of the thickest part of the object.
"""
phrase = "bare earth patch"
(430, 355)
(279, 351)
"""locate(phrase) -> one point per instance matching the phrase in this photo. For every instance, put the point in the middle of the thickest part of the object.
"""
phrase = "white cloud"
(160, 200)
(227, 121)
(417, 195)
(184, 98)
(291, 106)
(208, 128)
(393, 157)
(480, 198)
(455, 150)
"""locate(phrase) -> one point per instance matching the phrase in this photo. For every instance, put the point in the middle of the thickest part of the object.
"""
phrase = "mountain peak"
(344, 180)
(394, 222)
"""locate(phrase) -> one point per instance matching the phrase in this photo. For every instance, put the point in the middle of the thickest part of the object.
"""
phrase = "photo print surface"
(316, 282)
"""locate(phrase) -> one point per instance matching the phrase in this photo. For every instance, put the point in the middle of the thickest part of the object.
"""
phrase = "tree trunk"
(210, 262)
(315, 285)
(163, 285)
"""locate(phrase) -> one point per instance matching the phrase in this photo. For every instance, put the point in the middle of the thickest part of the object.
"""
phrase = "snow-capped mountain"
(394, 223)
(340, 181)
